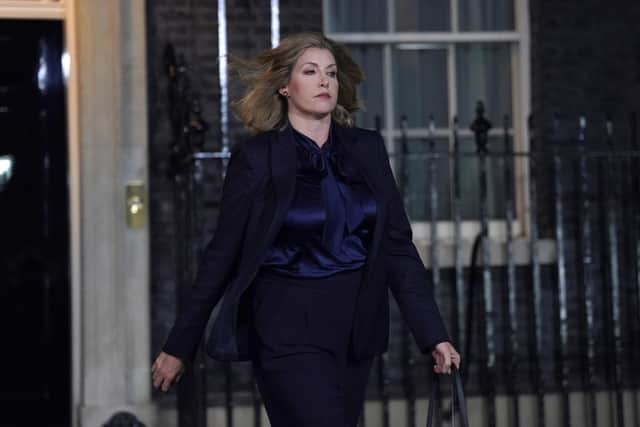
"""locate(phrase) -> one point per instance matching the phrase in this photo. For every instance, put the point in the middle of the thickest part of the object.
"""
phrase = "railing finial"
(480, 128)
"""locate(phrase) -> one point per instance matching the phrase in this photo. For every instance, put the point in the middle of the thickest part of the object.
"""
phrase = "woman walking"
(311, 235)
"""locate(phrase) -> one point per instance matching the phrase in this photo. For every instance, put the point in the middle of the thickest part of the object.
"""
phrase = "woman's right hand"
(166, 371)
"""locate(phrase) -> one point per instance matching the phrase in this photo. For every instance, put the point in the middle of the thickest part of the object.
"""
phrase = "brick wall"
(192, 27)
(585, 58)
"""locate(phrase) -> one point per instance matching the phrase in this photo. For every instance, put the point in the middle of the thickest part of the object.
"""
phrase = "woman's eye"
(332, 73)
(309, 71)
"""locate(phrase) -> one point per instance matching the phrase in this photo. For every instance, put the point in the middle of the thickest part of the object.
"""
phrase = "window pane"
(486, 15)
(422, 15)
(371, 90)
(417, 178)
(357, 15)
(483, 74)
(421, 156)
(470, 179)
(420, 85)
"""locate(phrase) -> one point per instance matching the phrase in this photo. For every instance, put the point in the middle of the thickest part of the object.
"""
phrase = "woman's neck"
(316, 129)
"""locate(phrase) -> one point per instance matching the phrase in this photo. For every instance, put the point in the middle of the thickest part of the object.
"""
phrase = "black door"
(34, 227)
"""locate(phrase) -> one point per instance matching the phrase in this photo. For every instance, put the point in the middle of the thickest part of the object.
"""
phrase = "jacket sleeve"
(410, 283)
(218, 259)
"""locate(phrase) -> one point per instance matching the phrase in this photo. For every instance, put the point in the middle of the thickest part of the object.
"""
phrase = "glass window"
(422, 15)
(486, 15)
(470, 179)
(422, 155)
(416, 69)
(356, 15)
(484, 74)
(369, 57)
(420, 84)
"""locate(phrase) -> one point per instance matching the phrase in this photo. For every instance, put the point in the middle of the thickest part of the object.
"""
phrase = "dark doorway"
(34, 227)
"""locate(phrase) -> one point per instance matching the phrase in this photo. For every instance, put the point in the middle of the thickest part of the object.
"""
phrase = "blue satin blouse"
(329, 223)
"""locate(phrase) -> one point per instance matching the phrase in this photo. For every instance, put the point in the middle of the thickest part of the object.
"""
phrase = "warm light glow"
(42, 74)
(66, 64)
(6, 169)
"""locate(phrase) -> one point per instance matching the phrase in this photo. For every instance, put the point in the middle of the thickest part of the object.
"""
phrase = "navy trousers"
(300, 346)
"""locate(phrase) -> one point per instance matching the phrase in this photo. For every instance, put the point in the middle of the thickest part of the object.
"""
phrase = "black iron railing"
(551, 304)
(574, 327)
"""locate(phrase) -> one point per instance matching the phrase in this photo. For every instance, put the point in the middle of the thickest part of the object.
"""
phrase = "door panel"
(34, 231)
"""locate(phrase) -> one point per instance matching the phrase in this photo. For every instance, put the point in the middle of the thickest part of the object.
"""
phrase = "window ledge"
(446, 252)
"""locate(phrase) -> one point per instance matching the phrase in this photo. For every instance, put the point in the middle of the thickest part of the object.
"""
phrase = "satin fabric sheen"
(328, 226)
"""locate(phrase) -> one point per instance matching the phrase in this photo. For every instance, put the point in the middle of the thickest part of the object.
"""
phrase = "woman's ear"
(284, 91)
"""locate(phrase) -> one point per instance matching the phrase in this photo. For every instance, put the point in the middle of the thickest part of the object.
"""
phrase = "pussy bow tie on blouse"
(330, 164)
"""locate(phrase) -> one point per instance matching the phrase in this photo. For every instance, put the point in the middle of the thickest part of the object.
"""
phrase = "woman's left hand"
(445, 354)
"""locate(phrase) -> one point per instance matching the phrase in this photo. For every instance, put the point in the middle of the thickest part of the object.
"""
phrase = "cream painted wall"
(114, 296)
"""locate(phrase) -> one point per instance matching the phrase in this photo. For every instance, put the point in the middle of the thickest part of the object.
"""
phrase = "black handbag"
(457, 400)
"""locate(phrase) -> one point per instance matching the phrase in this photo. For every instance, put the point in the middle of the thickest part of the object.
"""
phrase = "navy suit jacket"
(257, 190)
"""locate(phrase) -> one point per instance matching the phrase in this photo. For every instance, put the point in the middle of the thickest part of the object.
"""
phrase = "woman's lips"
(323, 95)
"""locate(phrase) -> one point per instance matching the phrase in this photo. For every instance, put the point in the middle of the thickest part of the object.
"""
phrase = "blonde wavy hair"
(262, 108)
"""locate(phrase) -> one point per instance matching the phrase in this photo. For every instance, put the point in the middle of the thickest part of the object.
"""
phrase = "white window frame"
(519, 40)
(32, 9)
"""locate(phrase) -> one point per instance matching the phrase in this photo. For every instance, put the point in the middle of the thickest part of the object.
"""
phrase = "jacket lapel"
(357, 151)
(283, 175)
(282, 153)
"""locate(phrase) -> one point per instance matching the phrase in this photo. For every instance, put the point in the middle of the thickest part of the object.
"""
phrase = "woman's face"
(312, 90)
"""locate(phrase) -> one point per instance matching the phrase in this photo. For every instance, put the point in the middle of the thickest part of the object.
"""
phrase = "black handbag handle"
(457, 400)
